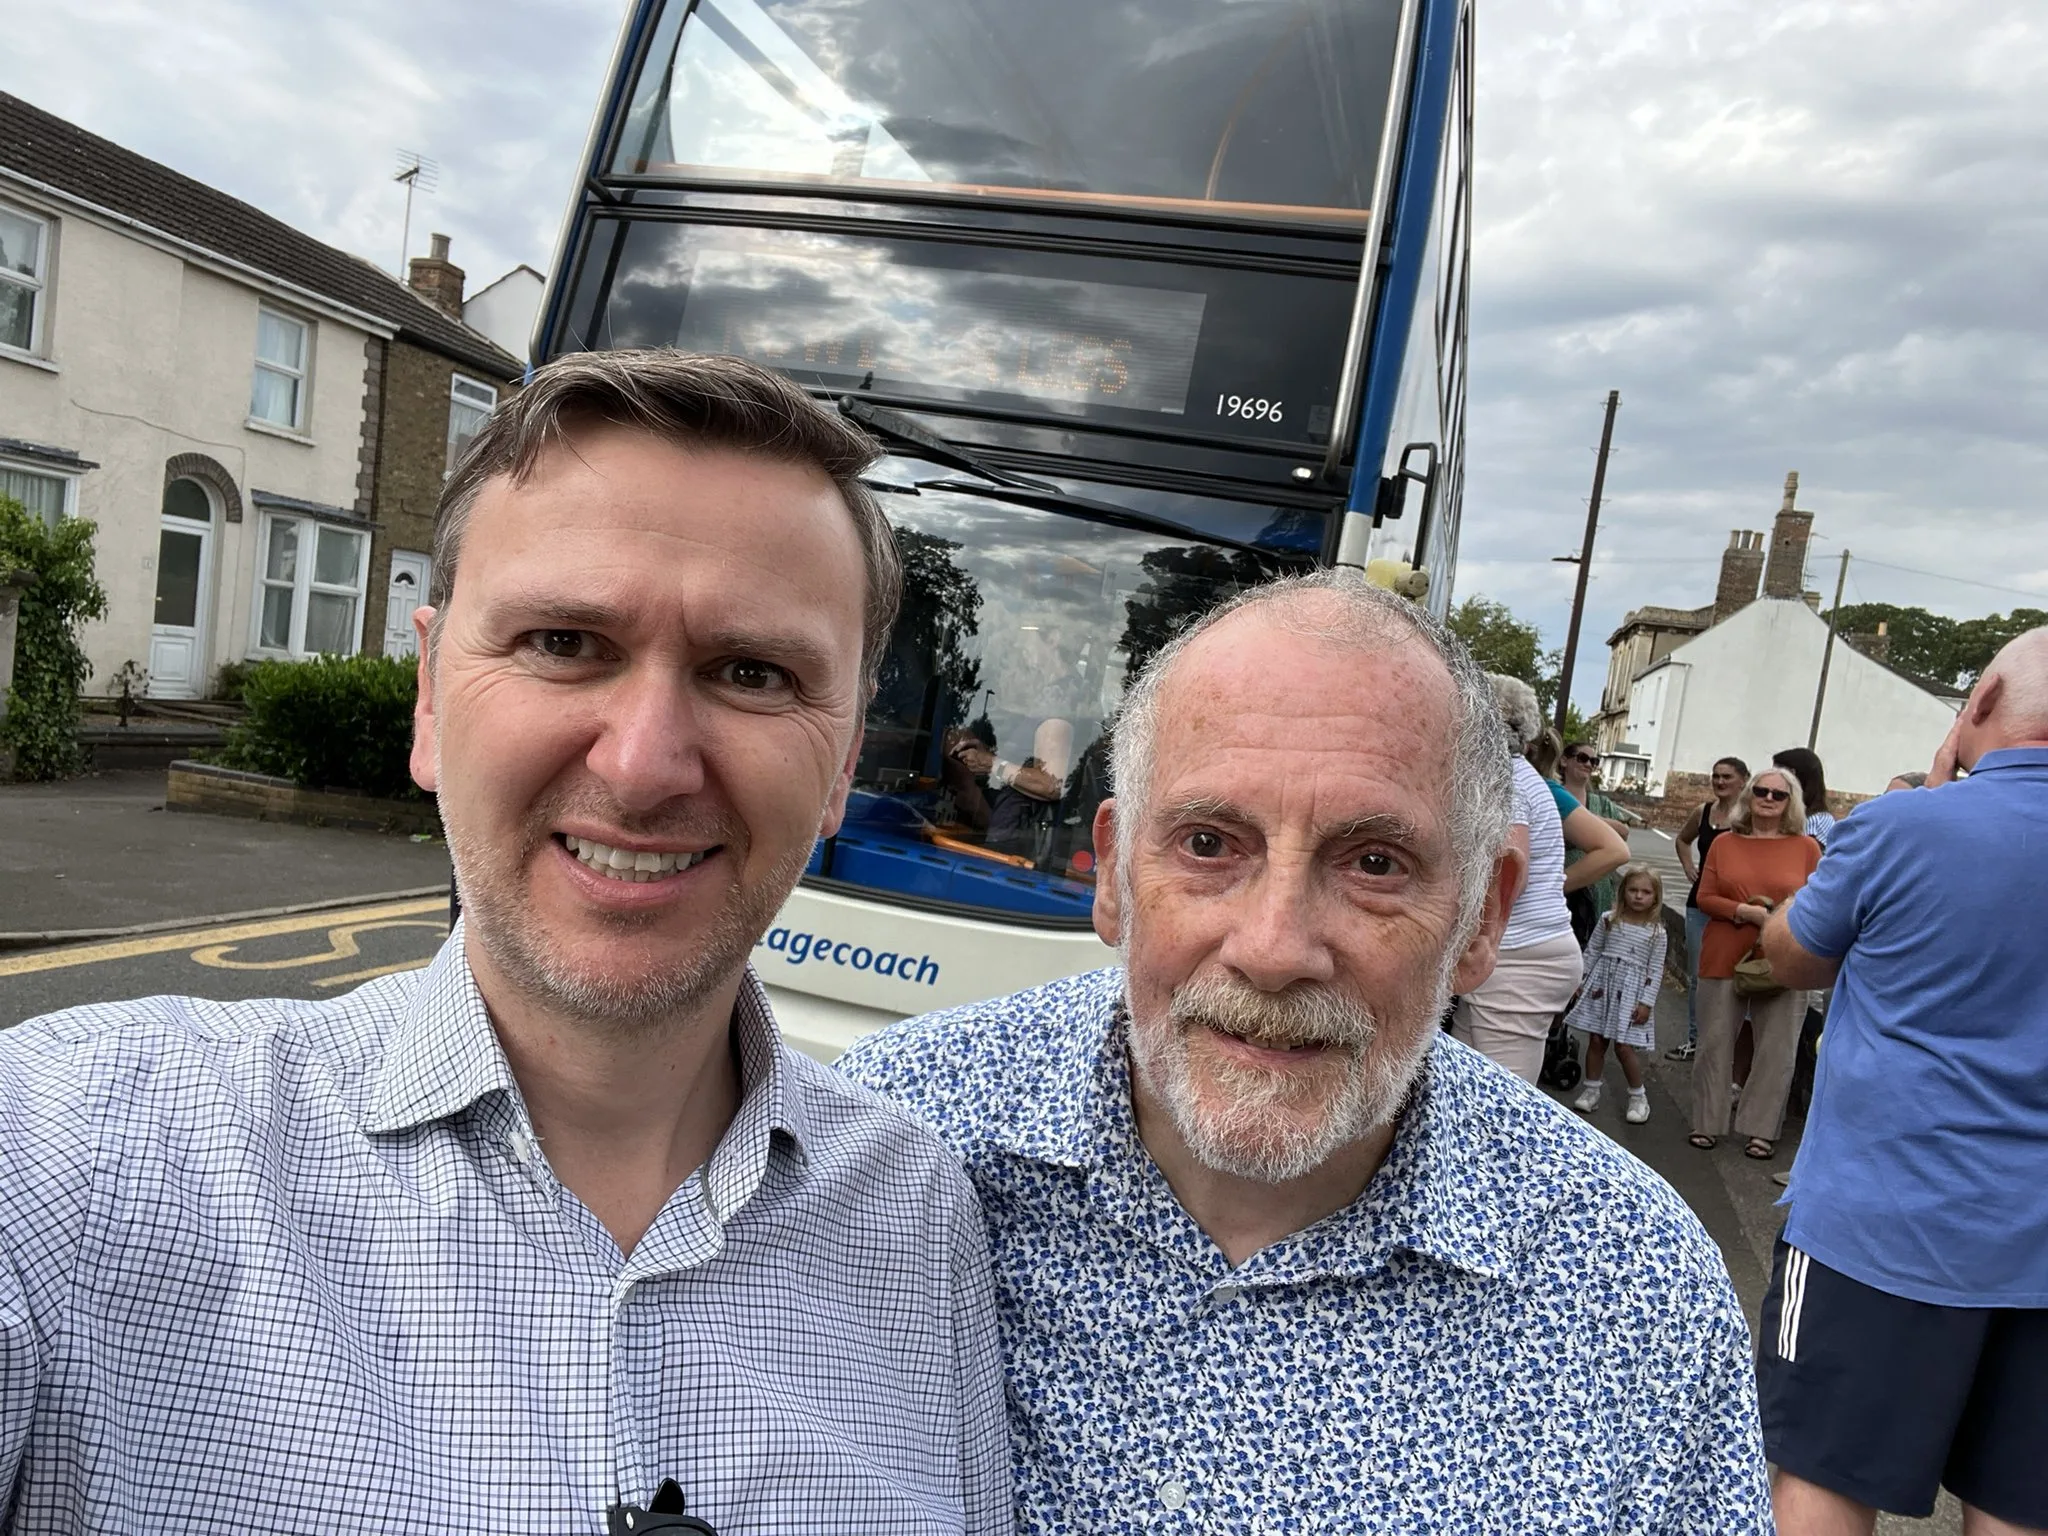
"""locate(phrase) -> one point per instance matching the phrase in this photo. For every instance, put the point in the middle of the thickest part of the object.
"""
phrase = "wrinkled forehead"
(1319, 726)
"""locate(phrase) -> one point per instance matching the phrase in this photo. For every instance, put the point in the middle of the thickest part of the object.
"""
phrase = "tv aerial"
(419, 174)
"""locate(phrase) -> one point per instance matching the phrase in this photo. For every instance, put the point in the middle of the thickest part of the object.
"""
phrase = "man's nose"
(649, 746)
(1277, 938)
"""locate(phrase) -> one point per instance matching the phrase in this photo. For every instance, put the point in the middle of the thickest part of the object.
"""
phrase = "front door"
(184, 568)
(408, 590)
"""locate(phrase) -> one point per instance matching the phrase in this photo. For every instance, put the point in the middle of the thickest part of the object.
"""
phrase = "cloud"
(1805, 236)
(1800, 235)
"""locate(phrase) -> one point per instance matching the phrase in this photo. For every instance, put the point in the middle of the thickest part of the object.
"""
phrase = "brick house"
(430, 399)
(254, 419)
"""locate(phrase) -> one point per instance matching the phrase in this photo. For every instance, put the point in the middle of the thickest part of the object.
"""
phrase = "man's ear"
(425, 761)
(1983, 701)
(1475, 964)
(1109, 916)
(842, 786)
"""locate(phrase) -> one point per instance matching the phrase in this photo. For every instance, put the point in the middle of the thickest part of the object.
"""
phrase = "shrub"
(335, 722)
(232, 678)
(50, 668)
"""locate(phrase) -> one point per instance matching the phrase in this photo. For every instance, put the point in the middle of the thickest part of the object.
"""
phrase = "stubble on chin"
(649, 989)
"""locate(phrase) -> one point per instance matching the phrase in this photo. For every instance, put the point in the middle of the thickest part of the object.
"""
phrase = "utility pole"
(1820, 694)
(1585, 561)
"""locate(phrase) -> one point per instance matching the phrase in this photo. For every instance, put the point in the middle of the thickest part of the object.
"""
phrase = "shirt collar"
(1445, 1190)
(444, 1054)
(2011, 757)
(444, 1057)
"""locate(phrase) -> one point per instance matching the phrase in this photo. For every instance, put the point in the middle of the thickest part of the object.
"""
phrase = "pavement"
(103, 853)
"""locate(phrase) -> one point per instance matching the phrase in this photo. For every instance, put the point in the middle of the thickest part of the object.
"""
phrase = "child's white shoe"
(1638, 1107)
(1588, 1097)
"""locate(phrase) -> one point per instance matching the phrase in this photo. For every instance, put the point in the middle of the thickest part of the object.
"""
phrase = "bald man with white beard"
(1274, 1253)
(1904, 1338)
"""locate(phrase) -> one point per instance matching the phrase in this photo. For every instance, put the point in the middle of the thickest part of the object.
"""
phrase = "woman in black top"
(1694, 838)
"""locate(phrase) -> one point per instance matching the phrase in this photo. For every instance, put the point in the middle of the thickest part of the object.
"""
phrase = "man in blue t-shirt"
(1904, 1339)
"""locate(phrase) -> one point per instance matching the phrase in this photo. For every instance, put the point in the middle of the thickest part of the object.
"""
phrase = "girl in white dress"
(1624, 970)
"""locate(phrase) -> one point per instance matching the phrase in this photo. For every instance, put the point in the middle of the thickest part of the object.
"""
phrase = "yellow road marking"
(169, 943)
(373, 973)
(341, 945)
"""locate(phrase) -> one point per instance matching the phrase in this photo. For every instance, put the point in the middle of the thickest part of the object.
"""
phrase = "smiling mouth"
(1266, 1042)
(630, 865)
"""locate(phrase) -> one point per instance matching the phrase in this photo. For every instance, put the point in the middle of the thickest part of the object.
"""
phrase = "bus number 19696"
(1248, 407)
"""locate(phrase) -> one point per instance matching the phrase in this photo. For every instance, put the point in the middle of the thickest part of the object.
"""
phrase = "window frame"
(303, 585)
(37, 283)
(302, 376)
(456, 381)
(65, 479)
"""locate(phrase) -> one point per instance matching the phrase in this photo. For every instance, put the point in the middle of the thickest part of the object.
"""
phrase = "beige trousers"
(1507, 1015)
(1775, 1022)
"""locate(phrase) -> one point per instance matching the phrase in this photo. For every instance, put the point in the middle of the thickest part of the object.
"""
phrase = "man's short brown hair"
(691, 399)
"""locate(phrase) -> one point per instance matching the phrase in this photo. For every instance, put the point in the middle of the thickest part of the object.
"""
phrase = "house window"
(469, 407)
(311, 597)
(24, 263)
(43, 495)
(278, 395)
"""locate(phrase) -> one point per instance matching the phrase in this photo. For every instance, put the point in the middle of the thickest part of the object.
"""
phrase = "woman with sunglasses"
(1746, 875)
(1575, 773)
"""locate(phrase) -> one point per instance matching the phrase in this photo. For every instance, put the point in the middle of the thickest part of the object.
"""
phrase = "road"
(309, 954)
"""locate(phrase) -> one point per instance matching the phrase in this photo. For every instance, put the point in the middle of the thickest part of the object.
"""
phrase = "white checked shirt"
(303, 1267)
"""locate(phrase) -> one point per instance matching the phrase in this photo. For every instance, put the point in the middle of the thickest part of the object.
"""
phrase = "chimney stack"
(1785, 576)
(1742, 562)
(437, 279)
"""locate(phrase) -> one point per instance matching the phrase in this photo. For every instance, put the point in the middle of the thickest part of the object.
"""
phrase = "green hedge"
(335, 722)
(50, 668)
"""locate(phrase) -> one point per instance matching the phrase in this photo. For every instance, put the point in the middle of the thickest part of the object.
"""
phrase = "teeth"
(625, 864)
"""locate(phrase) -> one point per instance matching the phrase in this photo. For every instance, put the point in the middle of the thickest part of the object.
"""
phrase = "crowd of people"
(559, 1234)
(1904, 1344)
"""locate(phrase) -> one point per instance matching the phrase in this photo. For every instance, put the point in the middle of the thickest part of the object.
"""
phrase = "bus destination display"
(859, 317)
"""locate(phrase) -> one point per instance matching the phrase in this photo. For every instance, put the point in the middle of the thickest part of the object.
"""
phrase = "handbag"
(1753, 978)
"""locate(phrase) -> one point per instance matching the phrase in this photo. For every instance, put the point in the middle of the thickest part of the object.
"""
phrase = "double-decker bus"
(1148, 300)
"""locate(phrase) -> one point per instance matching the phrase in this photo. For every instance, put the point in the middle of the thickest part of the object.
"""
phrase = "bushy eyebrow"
(544, 610)
(1384, 826)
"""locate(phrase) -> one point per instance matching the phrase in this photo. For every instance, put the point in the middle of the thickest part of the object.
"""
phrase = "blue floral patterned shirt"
(1517, 1327)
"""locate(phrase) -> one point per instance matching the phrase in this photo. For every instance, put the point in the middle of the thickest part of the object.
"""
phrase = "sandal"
(1769, 1150)
(1704, 1143)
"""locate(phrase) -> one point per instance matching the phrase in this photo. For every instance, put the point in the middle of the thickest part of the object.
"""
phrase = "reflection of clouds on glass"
(855, 313)
(1275, 101)
(745, 95)
(1053, 604)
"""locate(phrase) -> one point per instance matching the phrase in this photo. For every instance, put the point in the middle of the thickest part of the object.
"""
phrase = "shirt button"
(1173, 1493)
(1226, 1293)
(520, 1147)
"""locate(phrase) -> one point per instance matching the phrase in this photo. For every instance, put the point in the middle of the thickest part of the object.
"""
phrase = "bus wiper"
(906, 432)
(1020, 490)
(1053, 499)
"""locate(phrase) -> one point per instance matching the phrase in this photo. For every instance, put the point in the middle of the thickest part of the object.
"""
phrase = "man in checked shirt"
(1274, 1253)
(504, 1245)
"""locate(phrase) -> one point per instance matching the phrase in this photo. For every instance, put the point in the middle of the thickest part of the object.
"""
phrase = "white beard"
(1275, 1126)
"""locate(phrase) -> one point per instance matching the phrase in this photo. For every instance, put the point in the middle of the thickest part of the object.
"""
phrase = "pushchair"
(1561, 1069)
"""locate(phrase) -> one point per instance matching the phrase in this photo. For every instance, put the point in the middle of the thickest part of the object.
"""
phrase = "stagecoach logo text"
(797, 948)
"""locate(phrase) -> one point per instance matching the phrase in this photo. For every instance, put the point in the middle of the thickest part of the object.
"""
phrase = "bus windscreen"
(1258, 106)
(1223, 353)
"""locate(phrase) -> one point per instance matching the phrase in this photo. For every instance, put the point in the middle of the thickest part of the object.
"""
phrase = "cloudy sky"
(1795, 234)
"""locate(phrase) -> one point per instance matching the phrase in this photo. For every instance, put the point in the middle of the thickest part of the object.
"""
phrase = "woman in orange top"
(1744, 878)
